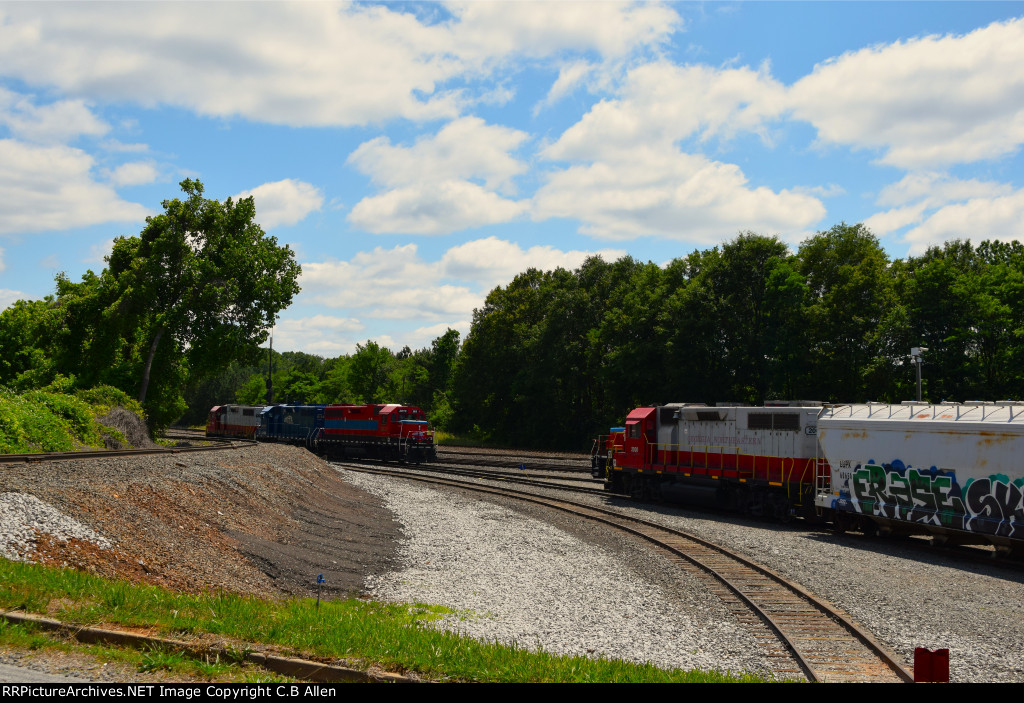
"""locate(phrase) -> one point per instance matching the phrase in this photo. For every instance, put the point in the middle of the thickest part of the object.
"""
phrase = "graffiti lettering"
(992, 505)
(996, 507)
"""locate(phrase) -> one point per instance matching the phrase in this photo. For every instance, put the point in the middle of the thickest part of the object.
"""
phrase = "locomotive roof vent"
(792, 403)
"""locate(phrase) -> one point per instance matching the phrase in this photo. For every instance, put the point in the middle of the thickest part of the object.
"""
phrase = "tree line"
(552, 358)
(556, 356)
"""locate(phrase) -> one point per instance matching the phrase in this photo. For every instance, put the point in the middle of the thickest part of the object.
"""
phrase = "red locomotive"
(390, 432)
(762, 460)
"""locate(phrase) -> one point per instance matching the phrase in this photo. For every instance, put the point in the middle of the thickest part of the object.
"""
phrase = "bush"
(52, 421)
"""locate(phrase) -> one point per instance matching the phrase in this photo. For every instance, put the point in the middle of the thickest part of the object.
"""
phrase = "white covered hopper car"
(953, 470)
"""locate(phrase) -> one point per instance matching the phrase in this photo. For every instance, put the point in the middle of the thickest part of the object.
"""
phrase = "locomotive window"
(634, 430)
(247, 413)
(773, 421)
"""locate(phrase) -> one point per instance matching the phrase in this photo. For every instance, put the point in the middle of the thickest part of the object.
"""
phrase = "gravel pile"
(263, 520)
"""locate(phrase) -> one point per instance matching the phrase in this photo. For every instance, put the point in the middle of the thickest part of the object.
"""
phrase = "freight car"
(952, 471)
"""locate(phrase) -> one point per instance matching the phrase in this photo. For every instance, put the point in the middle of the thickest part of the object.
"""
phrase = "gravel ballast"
(266, 520)
(519, 580)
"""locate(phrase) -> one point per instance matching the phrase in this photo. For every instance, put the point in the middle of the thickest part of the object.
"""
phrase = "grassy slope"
(394, 636)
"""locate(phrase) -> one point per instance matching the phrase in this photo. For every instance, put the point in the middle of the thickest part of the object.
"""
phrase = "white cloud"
(928, 101)
(60, 121)
(398, 283)
(662, 104)
(284, 202)
(535, 29)
(135, 173)
(9, 297)
(935, 197)
(629, 177)
(51, 188)
(303, 64)
(491, 261)
(319, 334)
(673, 195)
(981, 218)
(434, 186)
(569, 77)
(99, 252)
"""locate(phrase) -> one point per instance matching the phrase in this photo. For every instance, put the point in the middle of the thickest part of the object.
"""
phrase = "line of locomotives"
(954, 471)
(377, 431)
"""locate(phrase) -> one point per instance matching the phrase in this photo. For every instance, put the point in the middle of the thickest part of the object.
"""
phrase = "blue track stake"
(319, 581)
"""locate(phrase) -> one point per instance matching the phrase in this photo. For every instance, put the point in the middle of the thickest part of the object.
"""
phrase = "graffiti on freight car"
(995, 505)
(992, 505)
(908, 495)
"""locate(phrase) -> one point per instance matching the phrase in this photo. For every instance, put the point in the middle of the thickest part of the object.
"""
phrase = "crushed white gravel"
(542, 587)
(520, 580)
(23, 516)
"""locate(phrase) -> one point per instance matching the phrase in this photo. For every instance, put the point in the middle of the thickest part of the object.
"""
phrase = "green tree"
(204, 277)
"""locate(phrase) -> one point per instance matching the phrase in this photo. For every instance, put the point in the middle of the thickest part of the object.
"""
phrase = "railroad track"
(526, 462)
(211, 445)
(789, 622)
(542, 480)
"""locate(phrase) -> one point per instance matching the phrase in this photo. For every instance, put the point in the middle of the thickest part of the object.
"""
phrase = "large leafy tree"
(202, 278)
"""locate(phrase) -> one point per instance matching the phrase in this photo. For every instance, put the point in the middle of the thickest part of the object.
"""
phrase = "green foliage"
(52, 421)
(195, 290)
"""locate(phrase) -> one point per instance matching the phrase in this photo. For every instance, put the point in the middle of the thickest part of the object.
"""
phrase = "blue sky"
(415, 155)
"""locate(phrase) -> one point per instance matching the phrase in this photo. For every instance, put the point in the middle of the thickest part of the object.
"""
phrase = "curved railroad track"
(789, 622)
(209, 445)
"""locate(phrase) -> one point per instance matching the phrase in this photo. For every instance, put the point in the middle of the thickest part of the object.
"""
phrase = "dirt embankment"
(263, 520)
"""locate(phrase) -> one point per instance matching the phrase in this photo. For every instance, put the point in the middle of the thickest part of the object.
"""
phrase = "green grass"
(176, 665)
(394, 636)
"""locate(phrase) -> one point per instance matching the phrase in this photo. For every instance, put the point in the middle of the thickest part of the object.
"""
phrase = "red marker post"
(931, 666)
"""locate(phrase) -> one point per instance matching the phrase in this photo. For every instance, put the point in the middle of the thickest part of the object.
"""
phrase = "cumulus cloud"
(937, 205)
(491, 261)
(51, 187)
(673, 195)
(629, 177)
(56, 122)
(284, 202)
(135, 173)
(925, 102)
(397, 283)
(980, 218)
(569, 77)
(9, 297)
(302, 64)
(443, 183)
(319, 334)
(662, 103)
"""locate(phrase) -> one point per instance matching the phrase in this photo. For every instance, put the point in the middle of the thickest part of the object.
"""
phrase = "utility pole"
(916, 354)
(270, 372)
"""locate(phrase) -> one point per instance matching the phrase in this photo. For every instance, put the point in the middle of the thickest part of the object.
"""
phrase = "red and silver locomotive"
(761, 460)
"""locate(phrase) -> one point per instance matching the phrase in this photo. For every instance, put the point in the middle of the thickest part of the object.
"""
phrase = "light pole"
(916, 354)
